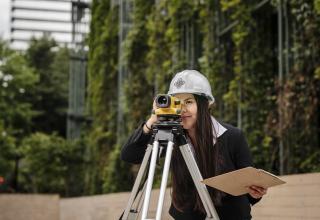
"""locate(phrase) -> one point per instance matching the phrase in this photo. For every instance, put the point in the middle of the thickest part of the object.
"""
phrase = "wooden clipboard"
(236, 182)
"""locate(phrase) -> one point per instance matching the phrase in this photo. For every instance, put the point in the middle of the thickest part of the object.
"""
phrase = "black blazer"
(235, 153)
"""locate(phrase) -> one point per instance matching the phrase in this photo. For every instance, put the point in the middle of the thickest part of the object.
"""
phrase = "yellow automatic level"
(167, 105)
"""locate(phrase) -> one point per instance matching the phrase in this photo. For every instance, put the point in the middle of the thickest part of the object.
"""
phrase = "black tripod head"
(168, 129)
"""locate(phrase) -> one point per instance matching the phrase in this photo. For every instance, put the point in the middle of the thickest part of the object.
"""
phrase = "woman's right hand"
(153, 119)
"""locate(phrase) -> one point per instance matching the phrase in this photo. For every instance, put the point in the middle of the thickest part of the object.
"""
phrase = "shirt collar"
(217, 129)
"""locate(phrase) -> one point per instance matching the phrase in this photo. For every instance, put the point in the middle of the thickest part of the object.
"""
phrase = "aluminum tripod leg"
(154, 150)
(128, 215)
(152, 168)
(197, 178)
(187, 154)
(164, 179)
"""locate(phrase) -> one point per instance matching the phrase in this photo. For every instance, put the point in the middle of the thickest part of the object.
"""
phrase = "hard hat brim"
(210, 98)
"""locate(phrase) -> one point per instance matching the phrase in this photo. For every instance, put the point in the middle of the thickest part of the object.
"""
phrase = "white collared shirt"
(217, 129)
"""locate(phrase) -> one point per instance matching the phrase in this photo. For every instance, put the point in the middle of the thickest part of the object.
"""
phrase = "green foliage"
(116, 177)
(102, 90)
(40, 150)
(241, 65)
(51, 92)
(240, 13)
(8, 152)
(317, 6)
(64, 175)
(33, 97)
(17, 82)
(139, 83)
(300, 100)
(211, 62)
(40, 54)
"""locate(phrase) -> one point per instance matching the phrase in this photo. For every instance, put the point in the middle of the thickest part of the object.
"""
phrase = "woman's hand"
(153, 119)
(257, 191)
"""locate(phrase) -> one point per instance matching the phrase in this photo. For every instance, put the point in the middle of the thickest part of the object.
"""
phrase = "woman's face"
(189, 110)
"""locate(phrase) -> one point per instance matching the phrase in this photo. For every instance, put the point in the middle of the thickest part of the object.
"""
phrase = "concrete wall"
(29, 207)
(105, 207)
(299, 198)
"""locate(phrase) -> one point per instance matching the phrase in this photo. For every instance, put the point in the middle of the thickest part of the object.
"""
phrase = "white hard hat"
(191, 81)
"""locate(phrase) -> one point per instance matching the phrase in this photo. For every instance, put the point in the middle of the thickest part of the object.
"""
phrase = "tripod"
(165, 132)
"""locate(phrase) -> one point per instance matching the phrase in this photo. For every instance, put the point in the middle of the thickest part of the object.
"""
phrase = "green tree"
(33, 96)
(50, 98)
(51, 164)
(17, 84)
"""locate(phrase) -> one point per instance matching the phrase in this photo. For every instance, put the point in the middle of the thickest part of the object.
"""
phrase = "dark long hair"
(184, 193)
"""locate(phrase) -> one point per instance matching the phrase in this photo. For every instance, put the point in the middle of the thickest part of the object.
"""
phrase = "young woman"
(217, 147)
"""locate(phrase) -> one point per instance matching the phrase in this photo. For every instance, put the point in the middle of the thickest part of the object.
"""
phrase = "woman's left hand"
(257, 191)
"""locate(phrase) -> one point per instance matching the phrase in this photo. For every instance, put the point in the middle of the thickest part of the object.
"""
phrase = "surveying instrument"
(167, 130)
